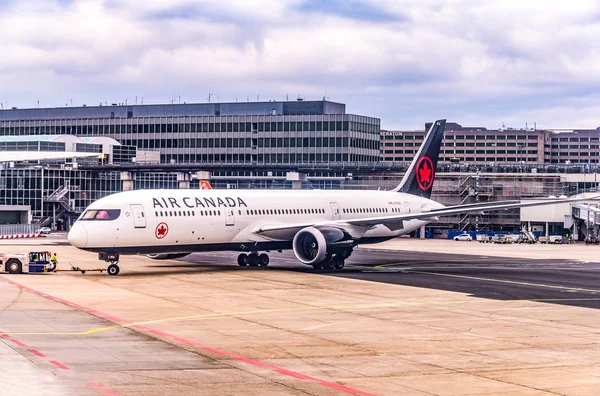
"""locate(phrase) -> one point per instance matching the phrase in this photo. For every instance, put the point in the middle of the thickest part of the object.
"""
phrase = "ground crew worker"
(54, 260)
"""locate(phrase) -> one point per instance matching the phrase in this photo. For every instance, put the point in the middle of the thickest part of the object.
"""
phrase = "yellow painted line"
(558, 287)
(298, 309)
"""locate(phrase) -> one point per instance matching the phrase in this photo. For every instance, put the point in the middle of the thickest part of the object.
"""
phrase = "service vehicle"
(557, 239)
(463, 237)
(26, 262)
(45, 230)
(592, 240)
(501, 239)
(482, 238)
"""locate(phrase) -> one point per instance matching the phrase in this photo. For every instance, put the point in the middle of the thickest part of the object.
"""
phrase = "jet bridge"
(586, 219)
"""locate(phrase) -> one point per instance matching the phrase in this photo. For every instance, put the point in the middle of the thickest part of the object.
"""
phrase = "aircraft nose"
(78, 236)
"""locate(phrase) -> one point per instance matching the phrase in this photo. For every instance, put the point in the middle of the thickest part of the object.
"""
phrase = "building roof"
(100, 140)
(177, 110)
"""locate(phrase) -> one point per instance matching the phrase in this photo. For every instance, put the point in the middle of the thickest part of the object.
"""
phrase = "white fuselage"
(175, 221)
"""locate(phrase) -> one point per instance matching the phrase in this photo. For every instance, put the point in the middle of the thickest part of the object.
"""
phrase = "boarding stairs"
(528, 234)
(61, 197)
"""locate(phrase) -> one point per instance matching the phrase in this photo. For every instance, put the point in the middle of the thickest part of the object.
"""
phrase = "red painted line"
(102, 389)
(19, 343)
(38, 353)
(207, 348)
(61, 366)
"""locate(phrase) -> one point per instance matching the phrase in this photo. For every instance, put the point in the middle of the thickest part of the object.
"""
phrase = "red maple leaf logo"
(161, 230)
(425, 173)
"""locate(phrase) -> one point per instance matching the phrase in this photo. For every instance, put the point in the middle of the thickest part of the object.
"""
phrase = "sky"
(478, 63)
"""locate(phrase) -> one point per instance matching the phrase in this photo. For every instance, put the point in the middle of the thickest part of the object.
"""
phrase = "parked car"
(45, 230)
(463, 237)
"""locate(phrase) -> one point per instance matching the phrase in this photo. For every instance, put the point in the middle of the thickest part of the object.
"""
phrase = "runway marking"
(59, 365)
(37, 353)
(558, 287)
(102, 389)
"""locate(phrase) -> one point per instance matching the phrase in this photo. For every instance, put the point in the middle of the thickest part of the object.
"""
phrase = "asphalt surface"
(573, 283)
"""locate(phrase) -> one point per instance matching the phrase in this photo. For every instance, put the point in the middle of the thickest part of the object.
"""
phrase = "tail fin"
(419, 177)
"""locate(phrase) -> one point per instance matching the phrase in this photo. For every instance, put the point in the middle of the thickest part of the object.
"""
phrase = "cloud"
(406, 62)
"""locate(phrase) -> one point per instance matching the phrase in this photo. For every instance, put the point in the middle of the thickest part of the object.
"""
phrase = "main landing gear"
(333, 261)
(253, 259)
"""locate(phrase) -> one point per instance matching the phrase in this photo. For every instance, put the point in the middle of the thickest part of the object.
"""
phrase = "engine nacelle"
(312, 244)
(166, 256)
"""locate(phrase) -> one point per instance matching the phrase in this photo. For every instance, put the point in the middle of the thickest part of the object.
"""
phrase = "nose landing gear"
(113, 259)
(113, 269)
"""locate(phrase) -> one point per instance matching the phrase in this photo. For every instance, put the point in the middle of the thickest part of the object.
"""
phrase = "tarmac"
(406, 317)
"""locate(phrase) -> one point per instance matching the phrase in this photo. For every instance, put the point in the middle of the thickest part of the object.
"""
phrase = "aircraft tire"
(339, 264)
(253, 260)
(113, 270)
(242, 260)
(263, 260)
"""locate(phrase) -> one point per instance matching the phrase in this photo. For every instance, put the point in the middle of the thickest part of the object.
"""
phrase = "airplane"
(321, 227)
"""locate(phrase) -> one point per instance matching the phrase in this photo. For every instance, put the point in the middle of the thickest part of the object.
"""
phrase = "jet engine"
(313, 245)
(166, 256)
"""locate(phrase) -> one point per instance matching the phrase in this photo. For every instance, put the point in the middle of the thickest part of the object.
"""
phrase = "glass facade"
(240, 139)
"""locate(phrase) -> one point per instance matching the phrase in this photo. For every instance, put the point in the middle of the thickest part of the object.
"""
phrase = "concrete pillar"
(128, 179)
(547, 231)
(422, 232)
(183, 179)
(296, 178)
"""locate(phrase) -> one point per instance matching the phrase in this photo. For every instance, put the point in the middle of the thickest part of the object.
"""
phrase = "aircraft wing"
(16, 156)
(395, 222)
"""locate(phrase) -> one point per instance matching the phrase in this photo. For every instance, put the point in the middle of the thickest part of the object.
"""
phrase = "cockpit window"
(103, 214)
(89, 215)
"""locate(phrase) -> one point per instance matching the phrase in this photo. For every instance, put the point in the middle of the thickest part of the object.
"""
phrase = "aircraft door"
(229, 217)
(139, 217)
(406, 207)
(335, 211)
